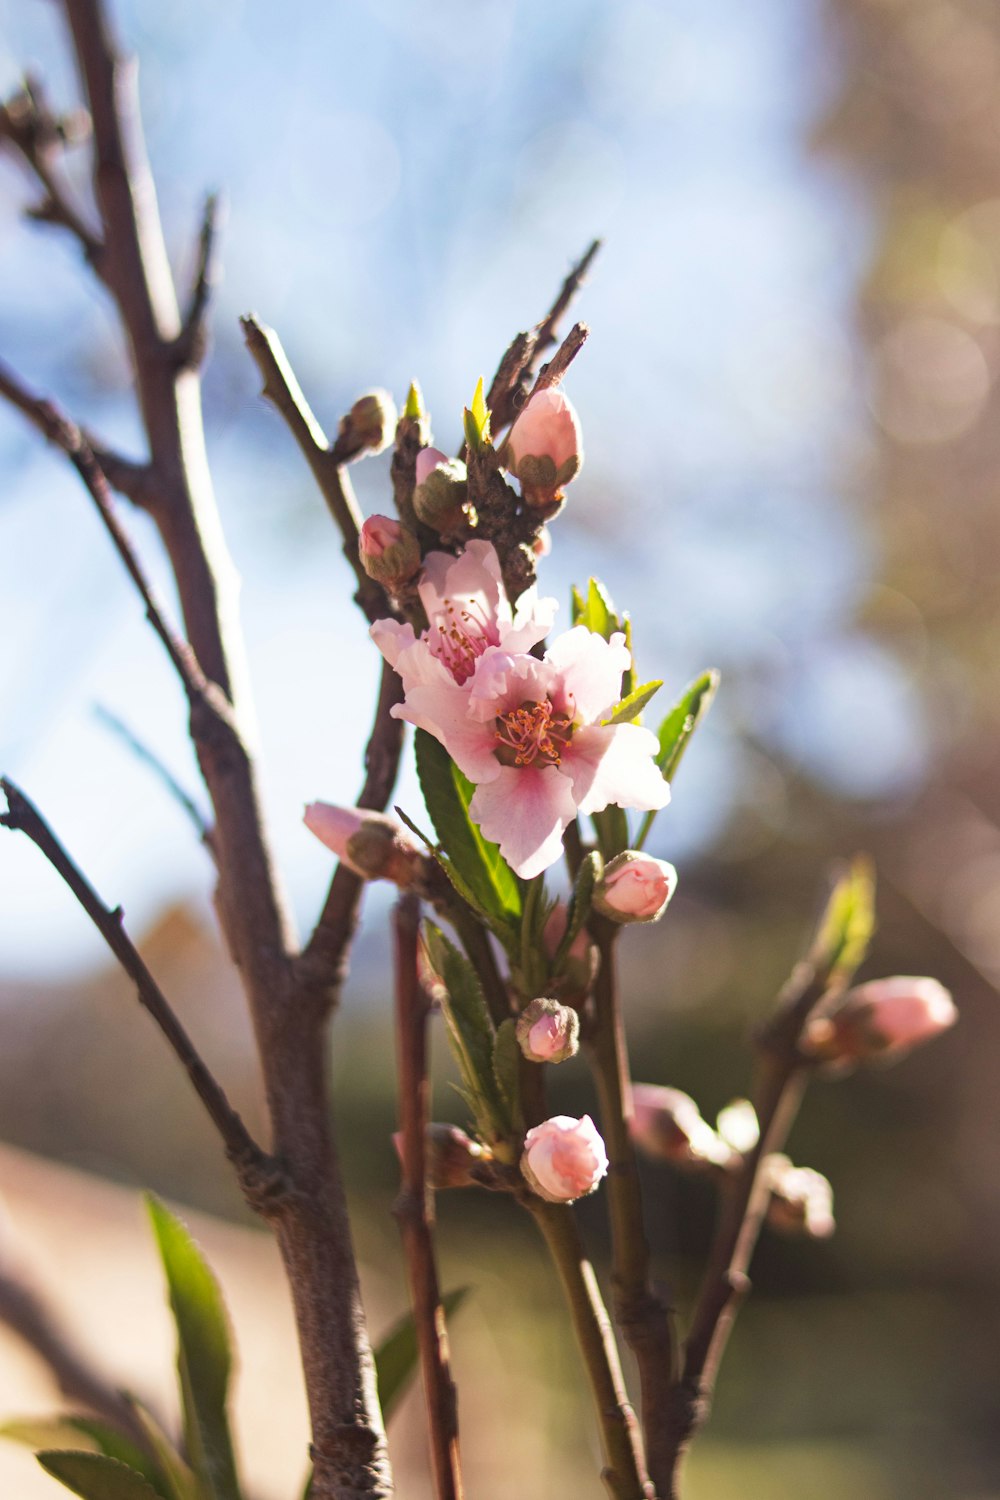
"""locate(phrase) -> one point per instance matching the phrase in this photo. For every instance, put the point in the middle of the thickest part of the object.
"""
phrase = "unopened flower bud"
(441, 495)
(548, 1031)
(389, 553)
(635, 888)
(801, 1199)
(564, 1159)
(544, 448)
(738, 1126)
(369, 843)
(881, 1020)
(451, 1155)
(576, 974)
(368, 426)
(667, 1125)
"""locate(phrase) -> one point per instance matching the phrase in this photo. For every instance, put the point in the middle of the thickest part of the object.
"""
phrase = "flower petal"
(525, 811)
(391, 637)
(615, 764)
(591, 669)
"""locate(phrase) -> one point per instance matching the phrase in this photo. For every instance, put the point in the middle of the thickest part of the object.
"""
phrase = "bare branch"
(240, 1146)
(546, 332)
(143, 753)
(414, 1206)
(191, 344)
(552, 373)
(284, 392)
(30, 128)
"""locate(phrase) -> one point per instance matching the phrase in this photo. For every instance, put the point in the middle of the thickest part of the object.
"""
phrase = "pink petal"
(391, 638)
(532, 622)
(525, 811)
(471, 578)
(615, 764)
(591, 669)
(503, 681)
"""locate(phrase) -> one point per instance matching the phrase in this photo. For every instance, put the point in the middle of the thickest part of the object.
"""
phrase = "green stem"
(624, 1474)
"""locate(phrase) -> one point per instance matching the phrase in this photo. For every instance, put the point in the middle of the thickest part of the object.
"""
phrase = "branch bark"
(414, 1207)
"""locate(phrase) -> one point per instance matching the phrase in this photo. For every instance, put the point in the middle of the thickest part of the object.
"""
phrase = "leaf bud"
(548, 1032)
(635, 887)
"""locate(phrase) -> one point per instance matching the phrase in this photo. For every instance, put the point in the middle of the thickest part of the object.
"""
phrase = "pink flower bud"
(440, 498)
(635, 888)
(801, 1199)
(368, 426)
(389, 553)
(564, 1159)
(882, 1019)
(451, 1157)
(544, 448)
(548, 1031)
(667, 1125)
(372, 845)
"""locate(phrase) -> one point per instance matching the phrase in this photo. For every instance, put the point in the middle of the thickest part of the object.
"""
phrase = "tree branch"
(640, 1312)
(30, 127)
(553, 372)
(414, 1206)
(241, 1148)
(191, 344)
(284, 392)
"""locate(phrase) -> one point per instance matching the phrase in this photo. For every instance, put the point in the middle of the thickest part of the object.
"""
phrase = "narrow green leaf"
(848, 922)
(470, 1029)
(676, 731)
(93, 1476)
(175, 1477)
(629, 679)
(414, 408)
(577, 606)
(476, 419)
(631, 706)
(396, 1355)
(601, 617)
(478, 864)
(507, 1072)
(587, 877)
(204, 1359)
(49, 1432)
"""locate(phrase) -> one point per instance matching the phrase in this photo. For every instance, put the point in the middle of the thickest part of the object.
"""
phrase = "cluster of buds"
(564, 1158)
(389, 552)
(801, 1201)
(544, 450)
(667, 1125)
(367, 428)
(548, 1032)
(882, 1020)
(369, 843)
(635, 887)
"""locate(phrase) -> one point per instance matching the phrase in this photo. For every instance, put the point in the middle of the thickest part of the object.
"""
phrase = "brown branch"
(29, 126)
(240, 1146)
(553, 372)
(191, 344)
(143, 753)
(640, 1313)
(545, 333)
(414, 1206)
(284, 392)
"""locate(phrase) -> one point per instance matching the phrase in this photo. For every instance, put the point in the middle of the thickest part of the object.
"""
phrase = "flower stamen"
(533, 732)
(463, 634)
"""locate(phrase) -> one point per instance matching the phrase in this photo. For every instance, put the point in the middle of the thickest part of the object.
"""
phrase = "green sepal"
(476, 420)
(629, 709)
(94, 1476)
(396, 1356)
(507, 1072)
(470, 1030)
(204, 1357)
(479, 864)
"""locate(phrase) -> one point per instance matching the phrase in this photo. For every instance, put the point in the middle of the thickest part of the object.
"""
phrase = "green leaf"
(476, 419)
(676, 731)
(396, 1355)
(577, 606)
(628, 680)
(848, 922)
(94, 1476)
(631, 706)
(470, 1029)
(507, 1072)
(178, 1481)
(80, 1434)
(479, 865)
(204, 1360)
(414, 408)
(591, 867)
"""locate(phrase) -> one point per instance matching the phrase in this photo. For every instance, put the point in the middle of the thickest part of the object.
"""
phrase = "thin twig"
(240, 1146)
(640, 1312)
(282, 389)
(414, 1206)
(191, 344)
(625, 1474)
(143, 753)
(545, 333)
(30, 127)
(553, 372)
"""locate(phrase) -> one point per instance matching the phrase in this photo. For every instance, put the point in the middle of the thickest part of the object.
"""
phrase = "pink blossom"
(635, 887)
(883, 1019)
(371, 844)
(564, 1159)
(544, 448)
(548, 1031)
(667, 1125)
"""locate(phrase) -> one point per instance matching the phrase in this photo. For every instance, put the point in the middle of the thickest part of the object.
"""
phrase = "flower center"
(532, 733)
(463, 634)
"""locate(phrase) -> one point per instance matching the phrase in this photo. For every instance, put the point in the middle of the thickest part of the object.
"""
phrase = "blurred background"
(790, 405)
